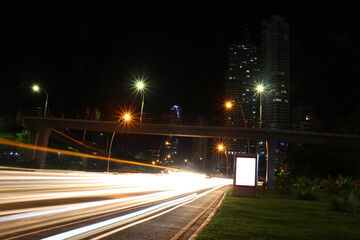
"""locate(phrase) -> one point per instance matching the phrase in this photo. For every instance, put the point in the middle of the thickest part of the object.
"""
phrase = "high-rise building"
(241, 76)
(240, 80)
(249, 66)
(275, 72)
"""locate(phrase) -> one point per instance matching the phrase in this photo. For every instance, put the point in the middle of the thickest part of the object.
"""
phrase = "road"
(79, 205)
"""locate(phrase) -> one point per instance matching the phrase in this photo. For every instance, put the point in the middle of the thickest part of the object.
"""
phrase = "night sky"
(89, 54)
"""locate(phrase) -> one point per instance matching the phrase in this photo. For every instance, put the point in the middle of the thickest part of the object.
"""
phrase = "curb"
(208, 219)
(205, 223)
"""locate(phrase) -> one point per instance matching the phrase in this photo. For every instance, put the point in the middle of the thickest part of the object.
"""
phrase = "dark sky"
(89, 54)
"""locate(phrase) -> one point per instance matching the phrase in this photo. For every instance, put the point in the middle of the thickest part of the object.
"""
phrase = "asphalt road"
(78, 205)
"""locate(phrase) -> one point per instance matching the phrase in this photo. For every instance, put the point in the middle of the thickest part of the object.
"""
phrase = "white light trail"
(125, 190)
(92, 227)
(73, 207)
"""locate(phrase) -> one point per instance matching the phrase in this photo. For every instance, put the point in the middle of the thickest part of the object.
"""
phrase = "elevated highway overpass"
(41, 127)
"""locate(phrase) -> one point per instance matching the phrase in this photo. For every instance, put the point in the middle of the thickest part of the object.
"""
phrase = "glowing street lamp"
(36, 88)
(260, 89)
(228, 105)
(221, 148)
(127, 118)
(141, 87)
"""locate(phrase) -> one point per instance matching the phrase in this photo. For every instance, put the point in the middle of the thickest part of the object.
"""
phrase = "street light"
(36, 88)
(260, 89)
(222, 148)
(140, 85)
(127, 118)
(228, 105)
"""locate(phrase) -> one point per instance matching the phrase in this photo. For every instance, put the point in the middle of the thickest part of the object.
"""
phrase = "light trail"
(77, 154)
(154, 216)
(72, 207)
(102, 224)
(118, 193)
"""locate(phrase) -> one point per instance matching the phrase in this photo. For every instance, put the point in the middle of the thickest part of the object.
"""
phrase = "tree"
(323, 160)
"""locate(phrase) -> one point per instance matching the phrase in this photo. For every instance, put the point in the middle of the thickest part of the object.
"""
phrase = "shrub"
(346, 194)
(306, 189)
(284, 182)
(329, 185)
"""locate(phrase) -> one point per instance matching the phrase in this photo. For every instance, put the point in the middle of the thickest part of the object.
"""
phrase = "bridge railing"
(168, 118)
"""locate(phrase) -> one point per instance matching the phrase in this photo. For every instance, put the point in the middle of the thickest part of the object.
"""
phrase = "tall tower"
(240, 78)
(275, 72)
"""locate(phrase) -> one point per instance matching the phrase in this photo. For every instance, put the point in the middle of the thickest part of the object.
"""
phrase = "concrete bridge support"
(43, 142)
(270, 163)
(33, 139)
(39, 138)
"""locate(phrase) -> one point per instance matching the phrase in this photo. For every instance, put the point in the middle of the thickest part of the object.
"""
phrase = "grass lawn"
(278, 216)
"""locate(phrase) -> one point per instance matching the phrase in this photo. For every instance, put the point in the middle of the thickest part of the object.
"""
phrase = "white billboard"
(246, 169)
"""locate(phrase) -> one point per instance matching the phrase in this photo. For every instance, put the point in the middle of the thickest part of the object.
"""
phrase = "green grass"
(277, 216)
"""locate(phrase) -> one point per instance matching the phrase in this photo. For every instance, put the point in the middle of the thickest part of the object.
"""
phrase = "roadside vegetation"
(299, 208)
(343, 192)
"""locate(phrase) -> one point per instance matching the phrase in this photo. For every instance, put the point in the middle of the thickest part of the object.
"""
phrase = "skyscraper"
(240, 78)
(275, 71)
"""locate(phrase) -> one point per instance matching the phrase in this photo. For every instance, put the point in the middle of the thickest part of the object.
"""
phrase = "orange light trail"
(53, 150)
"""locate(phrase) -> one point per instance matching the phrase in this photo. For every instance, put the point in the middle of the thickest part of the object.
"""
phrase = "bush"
(346, 194)
(329, 186)
(306, 189)
(284, 182)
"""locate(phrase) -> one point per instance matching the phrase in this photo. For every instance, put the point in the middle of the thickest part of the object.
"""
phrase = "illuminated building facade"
(240, 80)
(275, 72)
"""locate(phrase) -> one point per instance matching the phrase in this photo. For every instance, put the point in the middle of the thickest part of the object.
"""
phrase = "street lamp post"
(36, 88)
(140, 86)
(142, 106)
(229, 106)
(126, 118)
(260, 89)
(222, 148)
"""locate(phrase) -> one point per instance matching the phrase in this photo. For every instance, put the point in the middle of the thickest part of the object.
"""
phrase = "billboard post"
(245, 175)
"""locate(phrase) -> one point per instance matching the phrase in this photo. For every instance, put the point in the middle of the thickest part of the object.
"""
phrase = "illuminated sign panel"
(245, 171)
(245, 175)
